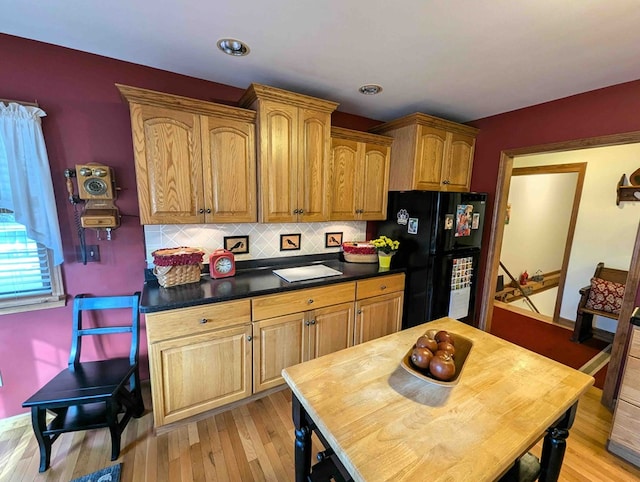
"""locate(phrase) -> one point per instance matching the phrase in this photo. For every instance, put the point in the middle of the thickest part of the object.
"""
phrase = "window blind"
(24, 266)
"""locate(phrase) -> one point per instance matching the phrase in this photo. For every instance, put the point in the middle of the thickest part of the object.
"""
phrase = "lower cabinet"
(277, 344)
(199, 358)
(378, 307)
(282, 341)
(200, 372)
(329, 329)
(208, 356)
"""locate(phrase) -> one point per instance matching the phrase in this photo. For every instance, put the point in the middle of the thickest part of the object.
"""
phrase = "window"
(30, 243)
(28, 279)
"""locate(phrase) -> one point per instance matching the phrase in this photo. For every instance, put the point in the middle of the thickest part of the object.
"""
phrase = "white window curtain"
(25, 175)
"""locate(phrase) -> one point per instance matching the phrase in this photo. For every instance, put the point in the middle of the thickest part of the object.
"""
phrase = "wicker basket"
(359, 252)
(177, 266)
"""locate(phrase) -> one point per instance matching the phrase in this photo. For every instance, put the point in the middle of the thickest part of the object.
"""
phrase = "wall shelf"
(626, 193)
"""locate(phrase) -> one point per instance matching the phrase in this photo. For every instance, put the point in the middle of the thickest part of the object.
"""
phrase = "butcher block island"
(381, 423)
(220, 341)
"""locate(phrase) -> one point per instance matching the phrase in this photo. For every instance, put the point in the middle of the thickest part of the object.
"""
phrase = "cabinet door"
(430, 157)
(456, 172)
(193, 374)
(277, 344)
(228, 153)
(378, 316)
(278, 173)
(313, 165)
(166, 145)
(343, 172)
(331, 329)
(374, 180)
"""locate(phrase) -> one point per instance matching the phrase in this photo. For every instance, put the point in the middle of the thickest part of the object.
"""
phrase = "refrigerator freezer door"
(410, 220)
(459, 221)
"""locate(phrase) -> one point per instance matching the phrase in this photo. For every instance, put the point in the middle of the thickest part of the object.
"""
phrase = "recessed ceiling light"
(233, 47)
(370, 89)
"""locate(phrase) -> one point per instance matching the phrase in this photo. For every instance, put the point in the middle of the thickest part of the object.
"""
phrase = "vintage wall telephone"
(97, 189)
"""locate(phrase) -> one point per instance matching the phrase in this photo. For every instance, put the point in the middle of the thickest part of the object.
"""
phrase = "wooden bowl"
(463, 347)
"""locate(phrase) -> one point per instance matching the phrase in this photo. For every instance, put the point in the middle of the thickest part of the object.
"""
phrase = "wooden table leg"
(39, 423)
(554, 446)
(302, 443)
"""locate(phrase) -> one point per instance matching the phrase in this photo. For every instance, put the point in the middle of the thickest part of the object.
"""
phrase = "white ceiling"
(458, 59)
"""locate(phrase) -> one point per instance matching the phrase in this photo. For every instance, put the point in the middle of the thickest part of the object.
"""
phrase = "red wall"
(87, 121)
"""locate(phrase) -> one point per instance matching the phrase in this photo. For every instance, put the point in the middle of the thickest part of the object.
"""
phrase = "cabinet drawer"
(198, 319)
(380, 286)
(626, 426)
(302, 300)
(630, 387)
(634, 347)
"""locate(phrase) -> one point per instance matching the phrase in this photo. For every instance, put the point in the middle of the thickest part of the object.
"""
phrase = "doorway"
(544, 201)
(496, 238)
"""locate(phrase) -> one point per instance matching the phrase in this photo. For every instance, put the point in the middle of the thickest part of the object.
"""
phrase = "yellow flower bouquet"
(385, 245)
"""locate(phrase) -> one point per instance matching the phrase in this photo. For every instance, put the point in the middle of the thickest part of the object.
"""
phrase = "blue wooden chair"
(91, 394)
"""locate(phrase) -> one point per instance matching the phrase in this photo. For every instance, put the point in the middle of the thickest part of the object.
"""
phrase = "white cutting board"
(304, 273)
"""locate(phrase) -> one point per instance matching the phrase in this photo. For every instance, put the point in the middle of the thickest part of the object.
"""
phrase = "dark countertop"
(251, 279)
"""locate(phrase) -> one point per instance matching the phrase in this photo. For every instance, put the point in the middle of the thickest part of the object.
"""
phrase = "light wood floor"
(252, 442)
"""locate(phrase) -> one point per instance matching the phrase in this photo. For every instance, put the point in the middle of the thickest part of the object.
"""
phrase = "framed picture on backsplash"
(290, 242)
(236, 244)
(332, 240)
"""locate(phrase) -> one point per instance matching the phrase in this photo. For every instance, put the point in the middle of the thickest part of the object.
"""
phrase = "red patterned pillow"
(605, 296)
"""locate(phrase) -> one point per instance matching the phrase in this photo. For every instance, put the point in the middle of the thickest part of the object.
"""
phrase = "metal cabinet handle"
(359, 312)
(313, 322)
(201, 211)
(203, 321)
(307, 323)
(446, 181)
(300, 211)
(309, 301)
(249, 338)
(383, 287)
(296, 211)
(208, 211)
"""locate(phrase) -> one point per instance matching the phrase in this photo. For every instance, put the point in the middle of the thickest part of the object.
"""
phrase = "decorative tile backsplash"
(264, 239)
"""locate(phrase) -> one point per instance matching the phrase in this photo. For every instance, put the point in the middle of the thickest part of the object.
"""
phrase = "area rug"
(547, 339)
(110, 474)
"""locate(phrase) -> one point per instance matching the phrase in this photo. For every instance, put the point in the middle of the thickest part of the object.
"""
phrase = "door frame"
(579, 168)
(503, 183)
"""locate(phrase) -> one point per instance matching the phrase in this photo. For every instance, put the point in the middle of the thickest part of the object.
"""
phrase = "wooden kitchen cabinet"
(195, 160)
(293, 154)
(624, 439)
(359, 175)
(296, 326)
(329, 329)
(429, 153)
(378, 307)
(277, 344)
(199, 358)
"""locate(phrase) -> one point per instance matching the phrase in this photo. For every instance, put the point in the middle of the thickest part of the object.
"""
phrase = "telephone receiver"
(97, 189)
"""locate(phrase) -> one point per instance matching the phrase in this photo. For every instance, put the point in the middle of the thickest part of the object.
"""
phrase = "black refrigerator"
(440, 236)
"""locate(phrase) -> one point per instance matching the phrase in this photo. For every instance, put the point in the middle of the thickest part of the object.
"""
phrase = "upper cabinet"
(358, 175)
(195, 160)
(293, 154)
(429, 153)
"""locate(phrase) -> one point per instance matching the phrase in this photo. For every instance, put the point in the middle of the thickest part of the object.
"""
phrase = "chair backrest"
(611, 274)
(83, 302)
